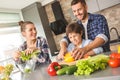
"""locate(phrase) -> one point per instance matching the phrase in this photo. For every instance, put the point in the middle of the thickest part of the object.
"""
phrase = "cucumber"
(71, 69)
(67, 70)
(64, 65)
(62, 71)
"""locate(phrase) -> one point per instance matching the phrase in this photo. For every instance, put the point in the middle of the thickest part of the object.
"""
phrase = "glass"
(28, 66)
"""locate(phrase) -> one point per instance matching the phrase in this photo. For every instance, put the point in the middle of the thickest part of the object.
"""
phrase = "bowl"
(28, 66)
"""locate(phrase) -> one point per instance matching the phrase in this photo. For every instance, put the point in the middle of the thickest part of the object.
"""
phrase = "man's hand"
(78, 53)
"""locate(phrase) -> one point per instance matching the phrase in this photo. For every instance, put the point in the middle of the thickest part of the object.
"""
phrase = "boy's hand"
(61, 54)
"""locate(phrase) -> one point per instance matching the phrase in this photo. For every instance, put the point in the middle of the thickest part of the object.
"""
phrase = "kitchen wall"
(111, 14)
(113, 18)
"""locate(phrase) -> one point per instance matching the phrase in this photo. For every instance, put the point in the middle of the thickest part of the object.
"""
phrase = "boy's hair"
(77, 1)
(73, 27)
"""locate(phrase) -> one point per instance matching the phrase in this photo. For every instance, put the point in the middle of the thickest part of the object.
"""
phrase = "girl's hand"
(30, 50)
(16, 55)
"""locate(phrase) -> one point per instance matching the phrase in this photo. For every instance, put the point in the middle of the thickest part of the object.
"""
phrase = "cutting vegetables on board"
(88, 64)
(85, 66)
(83, 63)
(85, 41)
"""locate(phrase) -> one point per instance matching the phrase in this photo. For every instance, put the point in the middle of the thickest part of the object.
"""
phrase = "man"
(95, 28)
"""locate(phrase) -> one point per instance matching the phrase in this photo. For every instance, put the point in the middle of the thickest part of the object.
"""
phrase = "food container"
(28, 66)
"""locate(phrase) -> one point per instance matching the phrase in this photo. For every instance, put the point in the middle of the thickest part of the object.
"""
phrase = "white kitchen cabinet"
(102, 4)
(97, 5)
(92, 6)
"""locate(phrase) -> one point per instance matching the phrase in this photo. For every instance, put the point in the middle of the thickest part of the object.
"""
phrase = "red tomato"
(114, 63)
(86, 56)
(113, 55)
(118, 56)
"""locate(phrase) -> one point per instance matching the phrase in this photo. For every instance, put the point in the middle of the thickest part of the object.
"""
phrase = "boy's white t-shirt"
(85, 27)
(71, 46)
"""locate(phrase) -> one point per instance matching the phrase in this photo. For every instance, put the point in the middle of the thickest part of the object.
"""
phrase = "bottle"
(118, 49)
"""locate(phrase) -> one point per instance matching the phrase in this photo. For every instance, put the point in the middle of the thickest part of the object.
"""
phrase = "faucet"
(113, 28)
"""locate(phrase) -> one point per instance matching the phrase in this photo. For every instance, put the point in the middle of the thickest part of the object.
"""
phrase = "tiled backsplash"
(112, 15)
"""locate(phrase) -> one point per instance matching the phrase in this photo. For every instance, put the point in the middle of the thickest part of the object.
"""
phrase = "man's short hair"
(77, 1)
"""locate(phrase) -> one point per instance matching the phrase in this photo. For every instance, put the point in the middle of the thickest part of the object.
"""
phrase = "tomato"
(113, 55)
(118, 56)
(114, 63)
(86, 56)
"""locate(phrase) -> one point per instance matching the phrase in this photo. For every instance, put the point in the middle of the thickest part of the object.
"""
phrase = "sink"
(118, 36)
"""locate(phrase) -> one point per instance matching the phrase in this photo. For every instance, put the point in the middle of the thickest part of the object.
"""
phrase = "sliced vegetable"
(68, 57)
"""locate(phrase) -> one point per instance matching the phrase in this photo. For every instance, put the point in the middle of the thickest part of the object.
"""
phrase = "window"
(10, 36)
(9, 17)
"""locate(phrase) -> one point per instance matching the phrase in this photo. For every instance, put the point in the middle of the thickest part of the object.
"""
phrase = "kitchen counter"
(114, 46)
(41, 74)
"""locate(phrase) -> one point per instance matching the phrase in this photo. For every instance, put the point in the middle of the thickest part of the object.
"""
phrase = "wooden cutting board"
(68, 63)
(74, 62)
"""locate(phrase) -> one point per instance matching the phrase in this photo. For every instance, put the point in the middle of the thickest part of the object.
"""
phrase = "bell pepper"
(52, 68)
(68, 58)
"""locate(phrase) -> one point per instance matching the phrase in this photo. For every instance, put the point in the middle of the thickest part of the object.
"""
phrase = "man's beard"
(85, 15)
